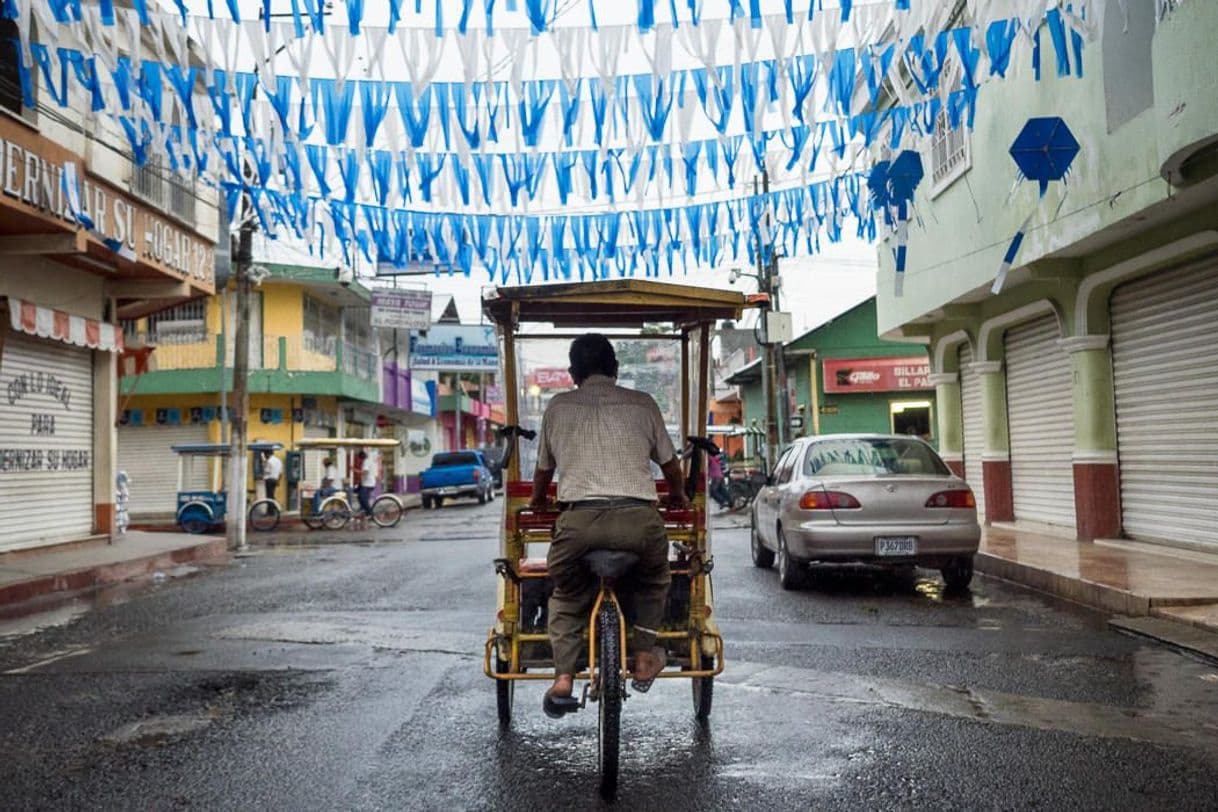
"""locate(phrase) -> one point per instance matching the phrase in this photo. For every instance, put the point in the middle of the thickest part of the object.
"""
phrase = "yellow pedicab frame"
(691, 312)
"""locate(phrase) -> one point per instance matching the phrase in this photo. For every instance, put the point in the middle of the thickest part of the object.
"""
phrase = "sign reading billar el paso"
(455, 347)
(401, 309)
(877, 374)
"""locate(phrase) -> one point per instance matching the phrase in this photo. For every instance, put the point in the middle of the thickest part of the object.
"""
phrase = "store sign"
(453, 347)
(494, 394)
(30, 177)
(551, 378)
(401, 309)
(420, 397)
(877, 374)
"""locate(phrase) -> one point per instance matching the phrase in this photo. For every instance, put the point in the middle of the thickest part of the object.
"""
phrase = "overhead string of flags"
(547, 149)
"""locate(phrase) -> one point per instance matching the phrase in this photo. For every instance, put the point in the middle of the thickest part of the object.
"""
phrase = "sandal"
(644, 685)
(556, 707)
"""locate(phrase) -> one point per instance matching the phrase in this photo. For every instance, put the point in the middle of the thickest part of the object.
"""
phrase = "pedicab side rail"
(529, 526)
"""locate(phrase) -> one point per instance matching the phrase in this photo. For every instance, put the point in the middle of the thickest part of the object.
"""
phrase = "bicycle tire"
(386, 511)
(335, 513)
(264, 515)
(609, 722)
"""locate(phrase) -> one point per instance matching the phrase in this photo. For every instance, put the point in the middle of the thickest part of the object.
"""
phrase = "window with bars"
(950, 157)
(322, 324)
(155, 183)
(184, 324)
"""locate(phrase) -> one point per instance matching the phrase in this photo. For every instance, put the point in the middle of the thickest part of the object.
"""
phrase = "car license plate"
(896, 545)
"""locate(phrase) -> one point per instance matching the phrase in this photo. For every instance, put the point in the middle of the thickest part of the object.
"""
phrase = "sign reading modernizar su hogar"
(455, 347)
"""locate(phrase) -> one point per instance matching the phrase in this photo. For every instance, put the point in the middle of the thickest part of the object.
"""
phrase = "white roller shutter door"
(1041, 414)
(1165, 371)
(972, 413)
(46, 442)
(144, 452)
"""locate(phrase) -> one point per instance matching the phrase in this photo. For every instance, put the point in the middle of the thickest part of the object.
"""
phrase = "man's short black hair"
(592, 354)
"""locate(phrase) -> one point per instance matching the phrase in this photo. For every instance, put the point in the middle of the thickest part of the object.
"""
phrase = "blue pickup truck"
(457, 473)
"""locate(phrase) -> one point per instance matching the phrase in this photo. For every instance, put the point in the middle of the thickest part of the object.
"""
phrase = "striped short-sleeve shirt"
(601, 439)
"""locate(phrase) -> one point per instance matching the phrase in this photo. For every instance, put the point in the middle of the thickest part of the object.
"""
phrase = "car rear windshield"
(448, 460)
(874, 455)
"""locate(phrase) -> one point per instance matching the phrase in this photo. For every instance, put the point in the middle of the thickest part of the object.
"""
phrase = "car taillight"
(827, 500)
(952, 499)
(477, 475)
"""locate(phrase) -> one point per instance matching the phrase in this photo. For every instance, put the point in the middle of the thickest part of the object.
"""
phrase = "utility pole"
(767, 275)
(238, 460)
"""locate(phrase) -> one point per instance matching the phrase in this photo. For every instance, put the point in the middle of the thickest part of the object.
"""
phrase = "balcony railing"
(289, 353)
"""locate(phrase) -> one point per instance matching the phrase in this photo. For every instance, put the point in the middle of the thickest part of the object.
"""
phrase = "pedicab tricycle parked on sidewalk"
(201, 509)
(670, 360)
(335, 510)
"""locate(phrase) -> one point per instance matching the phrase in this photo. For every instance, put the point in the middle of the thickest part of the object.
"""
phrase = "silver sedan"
(865, 498)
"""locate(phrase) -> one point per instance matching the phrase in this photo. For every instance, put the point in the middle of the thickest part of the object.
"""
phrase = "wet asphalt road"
(349, 676)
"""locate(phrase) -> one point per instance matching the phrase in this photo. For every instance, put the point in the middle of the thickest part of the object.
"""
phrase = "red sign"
(877, 374)
(551, 378)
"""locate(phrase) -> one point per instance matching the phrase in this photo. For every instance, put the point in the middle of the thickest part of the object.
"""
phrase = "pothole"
(157, 730)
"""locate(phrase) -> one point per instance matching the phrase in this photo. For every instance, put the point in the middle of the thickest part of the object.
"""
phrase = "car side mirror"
(769, 479)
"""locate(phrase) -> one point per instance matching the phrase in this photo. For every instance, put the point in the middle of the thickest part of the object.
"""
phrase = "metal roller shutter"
(974, 429)
(1165, 373)
(46, 442)
(144, 453)
(1041, 417)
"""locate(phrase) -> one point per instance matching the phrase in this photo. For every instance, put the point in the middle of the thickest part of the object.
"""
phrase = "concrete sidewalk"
(31, 574)
(1150, 584)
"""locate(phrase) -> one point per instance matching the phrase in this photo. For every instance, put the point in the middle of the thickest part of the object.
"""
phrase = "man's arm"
(542, 477)
(676, 484)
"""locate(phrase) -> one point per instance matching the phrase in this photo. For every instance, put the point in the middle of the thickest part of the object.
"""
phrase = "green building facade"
(842, 378)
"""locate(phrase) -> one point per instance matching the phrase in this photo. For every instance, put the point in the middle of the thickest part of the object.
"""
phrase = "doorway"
(911, 417)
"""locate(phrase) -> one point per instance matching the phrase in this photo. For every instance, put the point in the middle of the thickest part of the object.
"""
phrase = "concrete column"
(949, 420)
(1097, 486)
(996, 460)
(105, 440)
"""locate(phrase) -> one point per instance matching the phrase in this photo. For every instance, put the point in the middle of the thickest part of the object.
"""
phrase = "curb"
(91, 577)
(1079, 590)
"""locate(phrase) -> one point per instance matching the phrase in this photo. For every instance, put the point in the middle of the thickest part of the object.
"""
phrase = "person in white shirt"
(272, 469)
(329, 483)
(368, 464)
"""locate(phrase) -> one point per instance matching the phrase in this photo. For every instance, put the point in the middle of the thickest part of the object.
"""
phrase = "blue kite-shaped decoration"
(892, 185)
(1044, 150)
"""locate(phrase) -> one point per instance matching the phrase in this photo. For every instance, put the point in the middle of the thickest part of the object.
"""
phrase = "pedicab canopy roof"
(348, 442)
(616, 303)
(220, 449)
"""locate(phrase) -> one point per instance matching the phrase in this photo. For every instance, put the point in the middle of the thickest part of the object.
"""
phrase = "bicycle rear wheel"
(386, 511)
(264, 515)
(609, 724)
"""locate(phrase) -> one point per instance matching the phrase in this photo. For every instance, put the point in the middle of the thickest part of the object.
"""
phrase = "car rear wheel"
(762, 557)
(482, 497)
(788, 569)
(958, 574)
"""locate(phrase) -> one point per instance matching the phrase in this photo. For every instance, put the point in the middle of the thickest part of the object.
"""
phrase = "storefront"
(80, 254)
(49, 448)
(1041, 419)
(1165, 376)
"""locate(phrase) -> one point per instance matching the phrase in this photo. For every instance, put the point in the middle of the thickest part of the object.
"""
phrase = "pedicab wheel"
(195, 519)
(609, 658)
(386, 511)
(505, 690)
(703, 690)
(314, 521)
(264, 515)
(335, 514)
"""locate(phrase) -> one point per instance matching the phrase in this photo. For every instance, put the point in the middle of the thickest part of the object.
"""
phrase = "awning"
(46, 322)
